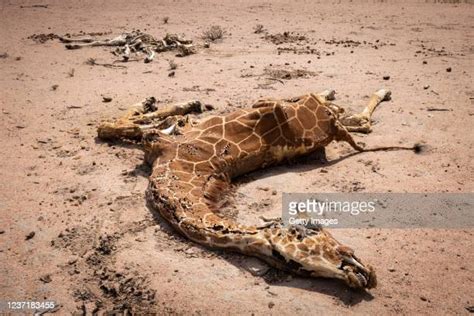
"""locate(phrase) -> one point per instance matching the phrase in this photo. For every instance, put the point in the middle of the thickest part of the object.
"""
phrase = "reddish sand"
(103, 249)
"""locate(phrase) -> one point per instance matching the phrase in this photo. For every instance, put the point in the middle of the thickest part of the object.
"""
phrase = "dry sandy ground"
(98, 247)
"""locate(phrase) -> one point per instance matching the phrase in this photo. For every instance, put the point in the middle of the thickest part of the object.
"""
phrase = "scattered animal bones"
(146, 116)
(136, 42)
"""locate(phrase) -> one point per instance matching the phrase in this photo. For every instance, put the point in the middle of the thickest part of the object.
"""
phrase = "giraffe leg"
(137, 121)
(361, 122)
(328, 96)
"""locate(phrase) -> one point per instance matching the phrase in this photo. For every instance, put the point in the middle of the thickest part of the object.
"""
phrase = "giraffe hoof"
(329, 95)
(384, 94)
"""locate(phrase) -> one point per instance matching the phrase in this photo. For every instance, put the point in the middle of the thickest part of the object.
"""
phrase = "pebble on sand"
(30, 235)
(45, 278)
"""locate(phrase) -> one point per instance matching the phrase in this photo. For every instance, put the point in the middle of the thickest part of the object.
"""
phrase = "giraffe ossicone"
(192, 173)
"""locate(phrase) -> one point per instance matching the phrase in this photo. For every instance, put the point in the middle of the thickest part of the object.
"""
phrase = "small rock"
(171, 74)
(424, 299)
(45, 278)
(386, 77)
(106, 99)
(424, 62)
(274, 192)
(206, 45)
(470, 309)
(2, 231)
(257, 268)
(209, 107)
(271, 304)
(30, 235)
(448, 69)
(391, 269)
(72, 261)
(426, 86)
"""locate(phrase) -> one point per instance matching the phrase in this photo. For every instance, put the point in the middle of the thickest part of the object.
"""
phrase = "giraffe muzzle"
(357, 274)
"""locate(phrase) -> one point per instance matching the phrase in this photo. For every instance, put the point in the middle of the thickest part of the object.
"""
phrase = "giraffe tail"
(416, 148)
(343, 135)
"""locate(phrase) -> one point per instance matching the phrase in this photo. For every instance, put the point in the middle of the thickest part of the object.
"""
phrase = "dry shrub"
(213, 34)
(259, 28)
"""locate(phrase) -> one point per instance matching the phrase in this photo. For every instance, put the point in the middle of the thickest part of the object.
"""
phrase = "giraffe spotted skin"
(192, 172)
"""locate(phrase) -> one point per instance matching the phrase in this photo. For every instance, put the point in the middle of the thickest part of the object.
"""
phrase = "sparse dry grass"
(213, 34)
(259, 28)
(91, 61)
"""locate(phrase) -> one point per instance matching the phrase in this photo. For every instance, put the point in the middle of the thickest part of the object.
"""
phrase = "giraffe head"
(316, 253)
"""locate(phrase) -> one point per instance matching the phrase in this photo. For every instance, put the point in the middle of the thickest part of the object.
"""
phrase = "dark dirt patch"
(299, 50)
(287, 74)
(275, 276)
(77, 239)
(284, 38)
(43, 38)
(349, 43)
(100, 286)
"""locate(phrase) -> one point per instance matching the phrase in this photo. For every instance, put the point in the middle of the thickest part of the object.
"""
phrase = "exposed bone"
(185, 50)
(116, 41)
(126, 53)
(170, 130)
(150, 57)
